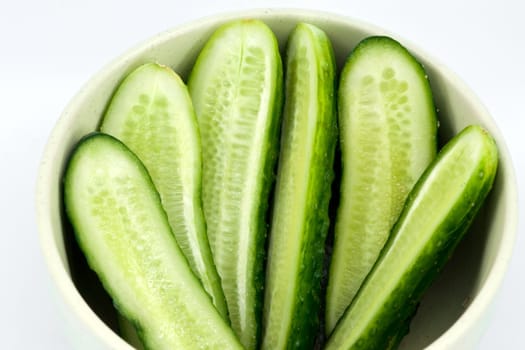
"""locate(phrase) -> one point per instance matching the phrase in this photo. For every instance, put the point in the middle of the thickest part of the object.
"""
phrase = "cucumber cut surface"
(388, 132)
(435, 217)
(152, 113)
(236, 87)
(301, 201)
(122, 229)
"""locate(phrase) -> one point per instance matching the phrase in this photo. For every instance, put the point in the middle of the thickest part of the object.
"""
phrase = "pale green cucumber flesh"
(125, 235)
(152, 113)
(236, 87)
(388, 137)
(436, 215)
(300, 210)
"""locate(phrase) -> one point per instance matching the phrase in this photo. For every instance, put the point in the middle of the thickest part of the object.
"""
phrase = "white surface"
(48, 49)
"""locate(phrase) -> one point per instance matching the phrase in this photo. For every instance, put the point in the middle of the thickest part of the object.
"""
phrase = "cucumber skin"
(304, 319)
(251, 338)
(272, 152)
(397, 311)
(143, 330)
(338, 256)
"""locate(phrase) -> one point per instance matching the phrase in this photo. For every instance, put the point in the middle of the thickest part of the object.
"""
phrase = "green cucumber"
(124, 232)
(129, 333)
(300, 210)
(236, 88)
(388, 132)
(152, 114)
(435, 217)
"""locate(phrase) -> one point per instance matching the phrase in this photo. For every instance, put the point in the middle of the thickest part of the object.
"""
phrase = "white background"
(48, 49)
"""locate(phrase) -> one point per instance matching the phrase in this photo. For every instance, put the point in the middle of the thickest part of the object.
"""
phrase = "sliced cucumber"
(122, 228)
(129, 333)
(236, 87)
(436, 216)
(388, 137)
(152, 113)
(300, 210)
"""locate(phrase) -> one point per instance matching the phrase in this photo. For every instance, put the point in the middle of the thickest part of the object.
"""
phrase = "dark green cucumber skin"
(306, 321)
(143, 331)
(305, 316)
(391, 323)
(272, 152)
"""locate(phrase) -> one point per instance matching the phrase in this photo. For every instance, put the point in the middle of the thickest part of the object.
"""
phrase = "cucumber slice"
(300, 211)
(236, 87)
(388, 137)
(122, 228)
(152, 113)
(436, 216)
(129, 333)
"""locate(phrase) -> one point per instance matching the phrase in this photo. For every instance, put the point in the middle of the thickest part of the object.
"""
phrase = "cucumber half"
(436, 216)
(388, 132)
(152, 114)
(236, 87)
(300, 210)
(122, 228)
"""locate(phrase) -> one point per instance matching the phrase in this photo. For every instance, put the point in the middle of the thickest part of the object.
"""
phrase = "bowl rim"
(51, 249)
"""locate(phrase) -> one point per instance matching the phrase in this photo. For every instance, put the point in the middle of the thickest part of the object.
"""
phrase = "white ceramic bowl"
(454, 312)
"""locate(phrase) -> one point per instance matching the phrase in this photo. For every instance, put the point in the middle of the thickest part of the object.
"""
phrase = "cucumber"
(152, 114)
(122, 229)
(236, 88)
(435, 217)
(300, 211)
(129, 333)
(388, 137)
